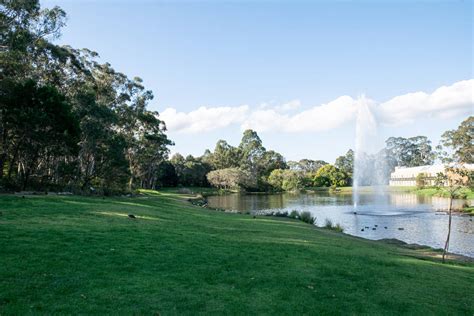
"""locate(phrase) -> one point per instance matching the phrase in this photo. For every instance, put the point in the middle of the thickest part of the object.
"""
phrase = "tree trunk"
(446, 245)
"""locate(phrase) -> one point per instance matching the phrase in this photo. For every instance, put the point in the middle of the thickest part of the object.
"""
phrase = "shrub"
(294, 214)
(329, 225)
(339, 228)
(280, 214)
(307, 217)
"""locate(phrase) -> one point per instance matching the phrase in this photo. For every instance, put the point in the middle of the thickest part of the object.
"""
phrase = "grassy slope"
(83, 255)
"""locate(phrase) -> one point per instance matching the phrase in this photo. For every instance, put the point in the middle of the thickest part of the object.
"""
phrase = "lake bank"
(405, 216)
(69, 255)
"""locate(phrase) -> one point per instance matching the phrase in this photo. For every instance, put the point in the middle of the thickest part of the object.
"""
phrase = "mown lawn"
(79, 255)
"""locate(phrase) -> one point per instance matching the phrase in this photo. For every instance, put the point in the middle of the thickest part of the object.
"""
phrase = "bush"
(339, 228)
(294, 214)
(329, 225)
(307, 217)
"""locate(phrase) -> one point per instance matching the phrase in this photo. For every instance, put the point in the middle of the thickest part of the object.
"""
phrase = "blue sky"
(271, 65)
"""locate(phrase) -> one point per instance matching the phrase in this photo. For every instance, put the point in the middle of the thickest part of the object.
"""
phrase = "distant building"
(403, 176)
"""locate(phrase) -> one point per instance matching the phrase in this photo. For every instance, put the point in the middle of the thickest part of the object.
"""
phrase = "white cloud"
(290, 106)
(203, 119)
(444, 102)
(318, 118)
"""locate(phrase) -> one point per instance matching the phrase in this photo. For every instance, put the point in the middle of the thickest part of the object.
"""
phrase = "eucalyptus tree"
(460, 142)
(410, 152)
(252, 152)
(346, 162)
(118, 137)
(42, 127)
(225, 156)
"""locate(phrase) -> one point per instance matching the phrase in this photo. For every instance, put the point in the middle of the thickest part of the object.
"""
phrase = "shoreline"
(427, 251)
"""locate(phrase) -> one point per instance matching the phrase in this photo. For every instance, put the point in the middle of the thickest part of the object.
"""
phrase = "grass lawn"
(71, 255)
(466, 193)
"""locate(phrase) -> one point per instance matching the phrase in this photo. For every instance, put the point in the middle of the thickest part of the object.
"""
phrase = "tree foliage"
(346, 162)
(460, 142)
(330, 175)
(286, 180)
(410, 152)
(229, 178)
(67, 120)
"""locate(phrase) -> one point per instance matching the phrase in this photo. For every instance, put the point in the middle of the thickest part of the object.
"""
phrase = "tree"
(270, 161)
(118, 136)
(39, 126)
(410, 152)
(286, 180)
(225, 156)
(346, 162)
(420, 180)
(166, 175)
(229, 178)
(307, 165)
(252, 152)
(451, 182)
(330, 175)
(460, 142)
(190, 171)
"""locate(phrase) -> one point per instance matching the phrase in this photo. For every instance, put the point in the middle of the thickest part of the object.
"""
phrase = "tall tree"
(346, 162)
(460, 142)
(410, 152)
(110, 108)
(40, 126)
(252, 151)
(307, 165)
(225, 156)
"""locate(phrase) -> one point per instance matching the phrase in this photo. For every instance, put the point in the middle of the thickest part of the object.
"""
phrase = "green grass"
(465, 193)
(79, 255)
(428, 191)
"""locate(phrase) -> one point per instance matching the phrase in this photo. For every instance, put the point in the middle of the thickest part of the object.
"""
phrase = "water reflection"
(405, 216)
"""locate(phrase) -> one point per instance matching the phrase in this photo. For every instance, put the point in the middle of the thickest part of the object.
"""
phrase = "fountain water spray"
(365, 145)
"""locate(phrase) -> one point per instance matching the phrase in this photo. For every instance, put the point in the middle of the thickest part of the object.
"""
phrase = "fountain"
(368, 163)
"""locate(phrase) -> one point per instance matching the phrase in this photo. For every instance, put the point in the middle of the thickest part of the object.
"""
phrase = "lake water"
(406, 216)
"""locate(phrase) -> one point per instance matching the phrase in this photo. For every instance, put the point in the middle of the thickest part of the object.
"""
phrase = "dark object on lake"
(374, 228)
(362, 230)
(401, 228)
(376, 225)
(355, 213)
(131, 216)
(385, 227)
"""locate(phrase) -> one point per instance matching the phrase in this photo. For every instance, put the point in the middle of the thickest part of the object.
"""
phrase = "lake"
(406, 216)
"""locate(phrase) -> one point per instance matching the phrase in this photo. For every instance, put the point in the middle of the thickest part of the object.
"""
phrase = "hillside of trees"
(71, 123)
(67, 121)
(251, 167)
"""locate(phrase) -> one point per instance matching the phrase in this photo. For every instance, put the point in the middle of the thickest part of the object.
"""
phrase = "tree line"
(68, 121)
(251, 167)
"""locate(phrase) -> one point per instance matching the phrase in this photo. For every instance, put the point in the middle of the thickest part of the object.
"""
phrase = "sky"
(297, 72)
